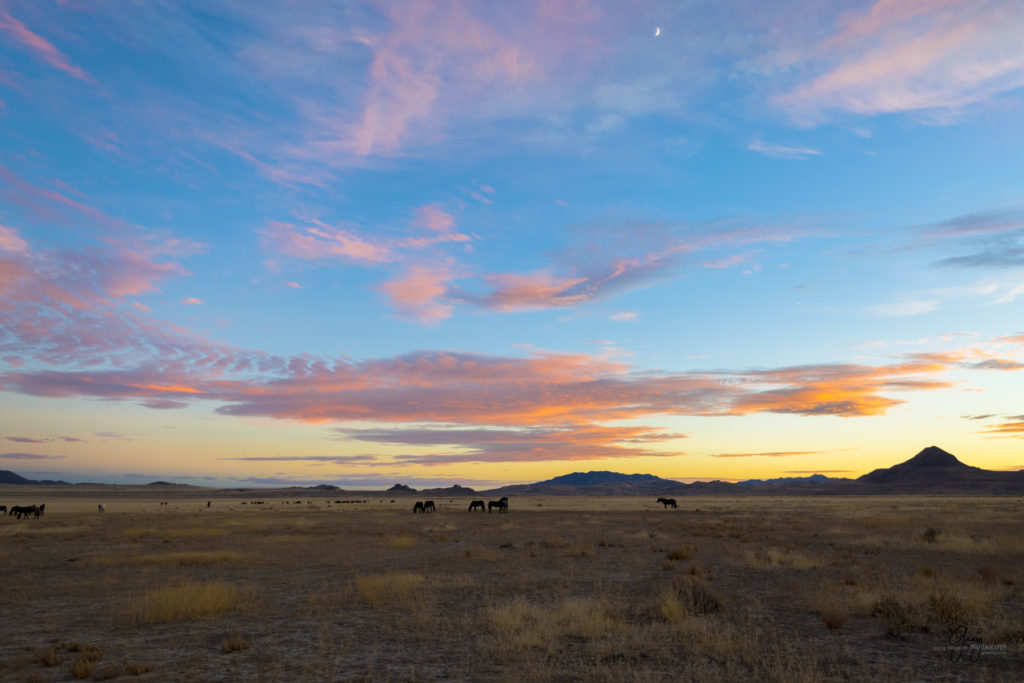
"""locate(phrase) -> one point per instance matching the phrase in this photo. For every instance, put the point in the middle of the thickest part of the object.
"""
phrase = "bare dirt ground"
(160, 587)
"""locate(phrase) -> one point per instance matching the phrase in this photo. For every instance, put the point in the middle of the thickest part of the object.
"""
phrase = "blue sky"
(479, 242)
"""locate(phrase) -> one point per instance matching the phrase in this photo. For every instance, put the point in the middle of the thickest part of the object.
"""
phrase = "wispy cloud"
(782, 151)
(774, 454)
(909, 56)
(41, 47)
(29, 456)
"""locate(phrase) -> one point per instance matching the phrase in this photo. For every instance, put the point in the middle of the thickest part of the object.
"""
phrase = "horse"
(429, 506)
(418, 507)
(25, 511)
(477, 504)
(3, 508)
(101, 507)
(667, 502)
(42, 509)
(501, 504)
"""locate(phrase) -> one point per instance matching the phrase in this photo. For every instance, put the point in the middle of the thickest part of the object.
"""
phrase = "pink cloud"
(418, 294)
(43, 48)
(320, 241)
(515, 292)
(906, 56)
(432, 49)
(534, 444)
(11, 241)
(432, 217)
(192, 301)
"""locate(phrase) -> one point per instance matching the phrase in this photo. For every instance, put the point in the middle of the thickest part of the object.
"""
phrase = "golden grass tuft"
(389, 588)
(688, 596)
(521, 625)
(783, 558)
(235, 643)
(184, 602)
(400, 541)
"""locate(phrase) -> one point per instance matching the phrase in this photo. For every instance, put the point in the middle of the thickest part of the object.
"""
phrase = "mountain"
(401, 488)
(598, 483)
(8, 477)
(934, 470)
(453, 490)
(812, 479)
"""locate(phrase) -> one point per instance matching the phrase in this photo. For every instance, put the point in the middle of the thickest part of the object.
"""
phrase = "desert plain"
(318, 586)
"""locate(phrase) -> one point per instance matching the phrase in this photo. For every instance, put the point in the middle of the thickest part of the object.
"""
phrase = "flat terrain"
(302, 587)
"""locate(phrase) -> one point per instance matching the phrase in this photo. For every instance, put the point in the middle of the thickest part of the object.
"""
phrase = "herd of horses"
(501, 505)
(24, 511)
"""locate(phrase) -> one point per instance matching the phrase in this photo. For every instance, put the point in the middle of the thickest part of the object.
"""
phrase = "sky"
(255, 244)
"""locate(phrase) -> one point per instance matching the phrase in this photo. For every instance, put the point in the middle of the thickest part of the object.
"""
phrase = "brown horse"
(501, 504)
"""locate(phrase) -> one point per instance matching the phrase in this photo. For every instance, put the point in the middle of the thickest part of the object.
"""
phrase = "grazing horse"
(25, 511)
(429, 506)
(668, 502)
(418, 507)
(101, 507)
(3, 508)
(501, 504)
(477, 504)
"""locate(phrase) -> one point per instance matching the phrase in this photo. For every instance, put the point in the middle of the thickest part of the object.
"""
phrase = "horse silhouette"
(477, 504)
(668, 502)
(501, 504)
(429, 506)
(418, 507)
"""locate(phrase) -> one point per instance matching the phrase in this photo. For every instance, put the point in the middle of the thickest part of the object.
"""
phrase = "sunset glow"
(433, 242)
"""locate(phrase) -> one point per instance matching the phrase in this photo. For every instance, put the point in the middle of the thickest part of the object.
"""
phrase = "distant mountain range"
(932, 471)
(8, 477)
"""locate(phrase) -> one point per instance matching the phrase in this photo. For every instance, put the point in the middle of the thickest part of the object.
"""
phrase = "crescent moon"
(657, 31)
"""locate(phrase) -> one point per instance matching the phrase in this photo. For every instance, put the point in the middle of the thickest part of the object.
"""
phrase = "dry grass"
(235, 643)
(185, 601)
(521, 625)
(183, 558)
(389, 588)
(401, 541)
(559, 589)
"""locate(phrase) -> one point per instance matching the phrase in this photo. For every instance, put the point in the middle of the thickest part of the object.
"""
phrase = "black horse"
(477, 504)
(25, 511)
(429, 506)
(418, 507)
(668, 502)
(501, 504)
(3, 508)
